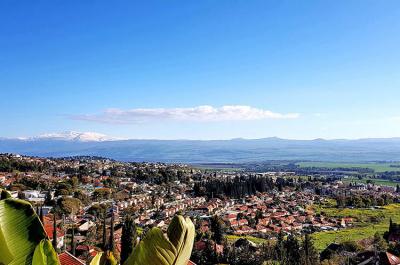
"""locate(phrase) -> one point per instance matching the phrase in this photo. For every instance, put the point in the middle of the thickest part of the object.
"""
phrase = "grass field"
(233, 238)
(363, 229)
(377, 167)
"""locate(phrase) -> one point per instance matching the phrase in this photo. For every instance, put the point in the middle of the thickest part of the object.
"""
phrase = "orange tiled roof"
(67, 259)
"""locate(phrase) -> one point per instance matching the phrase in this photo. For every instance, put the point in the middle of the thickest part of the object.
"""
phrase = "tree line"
(241, 186)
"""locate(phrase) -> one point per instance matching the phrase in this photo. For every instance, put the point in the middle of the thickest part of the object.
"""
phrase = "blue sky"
(130, 69)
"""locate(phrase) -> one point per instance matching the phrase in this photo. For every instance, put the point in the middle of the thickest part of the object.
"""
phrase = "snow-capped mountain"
(73, 136)
(212, 151)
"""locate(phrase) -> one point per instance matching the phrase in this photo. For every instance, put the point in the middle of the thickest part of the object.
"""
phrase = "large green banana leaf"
(156, 249)
(21, 232)
(44, 254)
(5, 254)
(181, 233)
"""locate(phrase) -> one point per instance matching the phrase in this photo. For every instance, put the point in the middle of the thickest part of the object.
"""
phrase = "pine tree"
(128, 238)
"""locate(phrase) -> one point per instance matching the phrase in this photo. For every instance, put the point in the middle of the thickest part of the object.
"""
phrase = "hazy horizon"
(94, 136)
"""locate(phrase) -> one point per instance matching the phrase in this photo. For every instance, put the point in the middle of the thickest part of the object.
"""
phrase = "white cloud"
(199, 113)
(77, 136)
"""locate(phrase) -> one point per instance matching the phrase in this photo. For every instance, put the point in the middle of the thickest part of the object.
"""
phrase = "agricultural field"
(377, 181)
(377, 167)
(364, 228)
(257, 240)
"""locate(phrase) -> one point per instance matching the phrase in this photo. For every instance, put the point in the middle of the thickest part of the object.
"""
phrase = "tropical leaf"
(44, 254)
(153, 249)
(104, 258)
(5, 255)
(22, 231)
(181, 233)
(156, 249)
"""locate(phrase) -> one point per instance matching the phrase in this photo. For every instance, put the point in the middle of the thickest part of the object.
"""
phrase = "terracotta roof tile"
(67, 259)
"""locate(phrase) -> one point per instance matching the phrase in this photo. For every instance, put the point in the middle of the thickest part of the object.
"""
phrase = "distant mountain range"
(210, 151)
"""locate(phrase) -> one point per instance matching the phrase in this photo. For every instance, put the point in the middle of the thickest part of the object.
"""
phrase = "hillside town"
(83, 202)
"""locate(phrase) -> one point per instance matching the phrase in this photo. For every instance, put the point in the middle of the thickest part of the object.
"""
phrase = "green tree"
(80, 195)
(68, 205)
(74, 182)
(54, 242)
(309, 254)
(111, 245)
(292, 248)
(379, 243)
(104, 245)
(217, 229)
(73, 241)
(128, 238)
(102, 193)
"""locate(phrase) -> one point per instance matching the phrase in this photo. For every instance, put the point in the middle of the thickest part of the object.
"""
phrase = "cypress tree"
(73, 241)
(310, 255)
(111, 243)
(54, 232)
(280, 248)
(128, 238)
(292, 249)
(104, 233)
(217, 228)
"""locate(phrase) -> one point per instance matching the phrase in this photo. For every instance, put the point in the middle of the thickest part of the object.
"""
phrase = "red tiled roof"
(67, 259)
(82, 248)
(392, 259)
(49, 231)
